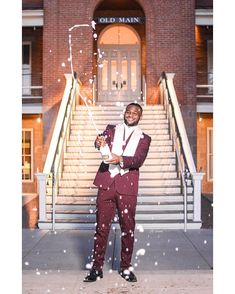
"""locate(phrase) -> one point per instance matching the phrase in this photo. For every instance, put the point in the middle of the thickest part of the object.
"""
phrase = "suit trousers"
(106, 204)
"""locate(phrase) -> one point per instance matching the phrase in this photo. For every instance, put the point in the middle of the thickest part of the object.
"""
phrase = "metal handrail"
(174, 131)
(57, 159)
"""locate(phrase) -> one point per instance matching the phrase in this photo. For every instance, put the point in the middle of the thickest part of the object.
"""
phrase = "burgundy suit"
(119, 192)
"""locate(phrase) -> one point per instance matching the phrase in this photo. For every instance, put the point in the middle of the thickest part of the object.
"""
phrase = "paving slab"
(71, 282)
(164, 250)
(60, 250)
(203, 242)
(171, 262)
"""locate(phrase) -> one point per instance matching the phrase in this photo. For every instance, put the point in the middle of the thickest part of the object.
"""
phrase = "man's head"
(133, 114)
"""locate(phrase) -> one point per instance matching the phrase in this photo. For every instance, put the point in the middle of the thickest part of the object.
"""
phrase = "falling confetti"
(88, 266)
(140, 252)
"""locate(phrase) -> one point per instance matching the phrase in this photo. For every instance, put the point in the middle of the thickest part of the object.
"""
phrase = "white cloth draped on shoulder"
(130, 148)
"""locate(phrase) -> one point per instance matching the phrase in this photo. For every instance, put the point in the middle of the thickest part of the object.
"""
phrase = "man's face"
(132, 115)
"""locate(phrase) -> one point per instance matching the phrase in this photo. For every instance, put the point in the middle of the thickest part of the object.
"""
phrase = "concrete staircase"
(160, 200)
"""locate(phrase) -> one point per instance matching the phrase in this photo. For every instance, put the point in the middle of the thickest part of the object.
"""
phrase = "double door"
(119, 77)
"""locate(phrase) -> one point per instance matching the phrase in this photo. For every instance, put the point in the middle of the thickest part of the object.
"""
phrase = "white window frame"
(209, 129)
(32, 154)
(24, 91)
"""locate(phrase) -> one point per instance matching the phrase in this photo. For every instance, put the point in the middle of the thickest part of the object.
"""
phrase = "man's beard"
(135, 123)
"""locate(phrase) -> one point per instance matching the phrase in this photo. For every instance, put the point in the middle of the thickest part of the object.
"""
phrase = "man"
(117, 181)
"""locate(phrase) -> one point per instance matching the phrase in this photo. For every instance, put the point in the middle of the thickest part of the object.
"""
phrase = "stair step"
(117, 115)
(141, 206)
(160, 164)
(90, 142)
(167, 215)
(155, 148)
(78, 130)
(114, 105)
(84, 134)
(153, 224)
(143, 176)
(142, 183)
(95, 155)
(148, 198)
(146, 190)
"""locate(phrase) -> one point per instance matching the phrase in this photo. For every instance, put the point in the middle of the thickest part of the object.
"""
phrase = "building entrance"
(119, 74)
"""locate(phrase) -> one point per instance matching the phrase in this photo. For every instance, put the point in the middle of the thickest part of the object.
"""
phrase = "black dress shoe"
(129, 276)
(93, 275)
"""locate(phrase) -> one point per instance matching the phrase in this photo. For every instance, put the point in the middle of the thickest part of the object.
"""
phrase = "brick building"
(119, 59)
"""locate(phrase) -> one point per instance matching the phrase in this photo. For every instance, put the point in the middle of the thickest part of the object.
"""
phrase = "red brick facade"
(168, 45)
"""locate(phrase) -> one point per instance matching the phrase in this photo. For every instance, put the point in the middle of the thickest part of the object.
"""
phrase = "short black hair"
(136, 105)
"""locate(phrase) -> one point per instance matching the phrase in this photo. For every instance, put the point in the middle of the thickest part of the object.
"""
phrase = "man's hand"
(100, 141)
(115, 159)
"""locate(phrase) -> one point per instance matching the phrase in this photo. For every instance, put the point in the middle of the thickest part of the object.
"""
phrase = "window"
(26, 68)
(209, 154)
(27, 155)
(210, 65)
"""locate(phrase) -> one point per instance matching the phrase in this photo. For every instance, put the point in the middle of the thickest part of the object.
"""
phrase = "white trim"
(204, 107)
(204, 17)
(31, 18)
(31, 154)
(32, 108)
(209, 129)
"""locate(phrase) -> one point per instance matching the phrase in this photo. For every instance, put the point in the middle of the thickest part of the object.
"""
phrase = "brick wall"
(30, 122)
(170, 47)
(207, 121)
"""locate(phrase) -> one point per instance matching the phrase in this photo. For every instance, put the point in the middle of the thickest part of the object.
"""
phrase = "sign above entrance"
(120, 19)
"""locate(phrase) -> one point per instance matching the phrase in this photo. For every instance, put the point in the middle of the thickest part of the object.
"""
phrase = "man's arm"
(135, 161)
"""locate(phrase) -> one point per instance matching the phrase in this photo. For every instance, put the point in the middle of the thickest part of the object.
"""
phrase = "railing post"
(197, 183)
(41, 186)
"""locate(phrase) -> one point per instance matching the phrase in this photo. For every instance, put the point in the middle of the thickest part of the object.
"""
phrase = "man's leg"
(105, 213)
(126, 211)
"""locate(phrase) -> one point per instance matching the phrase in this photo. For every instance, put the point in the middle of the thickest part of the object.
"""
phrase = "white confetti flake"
(126, 210)
(110, 243)
(205, 242)
(140, 252)
(63, 64)
(155, 263)
(64, 251)
(26, 263)
(88, 266)
(176, 249)
(140, 228)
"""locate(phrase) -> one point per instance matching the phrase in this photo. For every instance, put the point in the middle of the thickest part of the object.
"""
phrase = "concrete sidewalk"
(171, 262)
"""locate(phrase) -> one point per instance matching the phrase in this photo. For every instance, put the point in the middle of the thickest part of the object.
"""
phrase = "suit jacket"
(128, 183)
